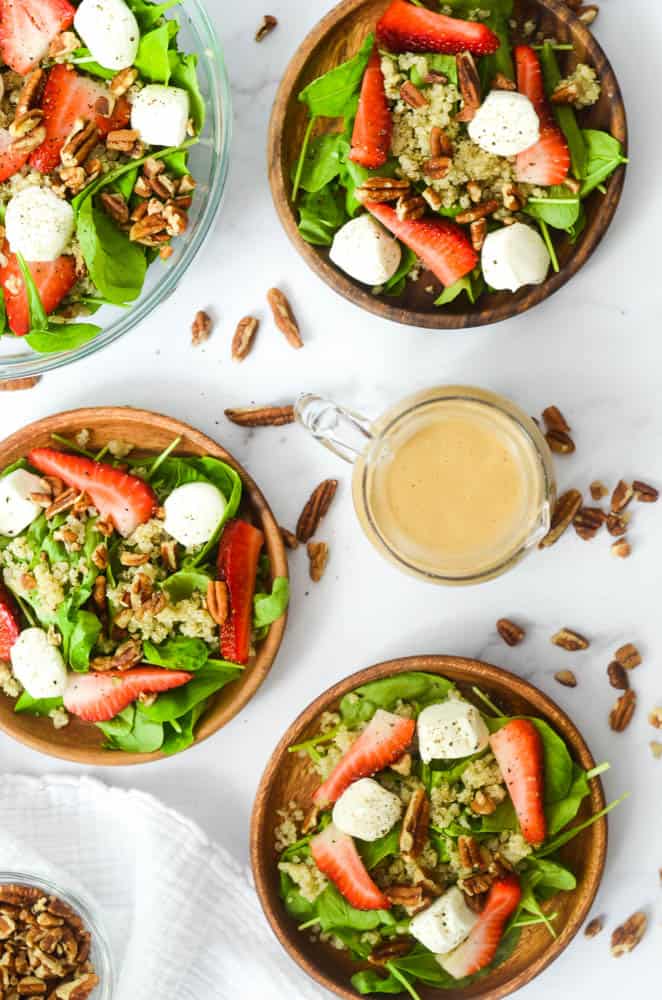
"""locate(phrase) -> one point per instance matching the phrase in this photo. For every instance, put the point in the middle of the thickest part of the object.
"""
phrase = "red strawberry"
(100, 697)
(442, 246)
(9, 630)
(385, 738)
(548, 161)
(406, 28)
(519, 753)
(10, 160)
(373, 127)
(128, 500)
(335, 855)
(238, 555)
(480, 947)
(27, 28)
(54, 279)
(68, 97)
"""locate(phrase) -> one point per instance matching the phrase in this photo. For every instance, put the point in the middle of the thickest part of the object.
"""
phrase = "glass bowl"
(209, 161)
(100, 953)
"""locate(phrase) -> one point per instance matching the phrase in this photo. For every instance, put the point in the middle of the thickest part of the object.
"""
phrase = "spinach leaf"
(297, 907)
(565, 114)
(370, 981)
(551, 875)
(503, 818)
(61, 337)
(182, 737)
(560, 209)
(500, 61)
(182, 585)
(82, 57)
(418, 688)
(268, 608)
(125, 184)
(604, 155)
(176, 703)
(333, 95)
(334, 911)
(179, 653)
(153, 59)
(37, 706)
(397, 284)
(323, 161)
(148, 14)
(438, 63)
(321, 215)
(353, 175)
(375, 851)
(473, 284)
(113, 176)
(117, 266)
(86, 631)
(132, 732)
(564, 838)
(184, 74)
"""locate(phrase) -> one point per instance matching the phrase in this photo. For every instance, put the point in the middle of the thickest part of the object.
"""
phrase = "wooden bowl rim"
(448, 666)
(215, 717)
(361, 296)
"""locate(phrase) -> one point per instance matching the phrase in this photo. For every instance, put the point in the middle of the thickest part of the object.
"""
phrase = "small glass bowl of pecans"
(51, 944)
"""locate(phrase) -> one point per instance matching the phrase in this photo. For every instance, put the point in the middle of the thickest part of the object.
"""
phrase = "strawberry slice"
(100, 697)
(385, 738)
(441, 244)
(11, 161)
(480, 947)
(9, 628)
(548, 161)
(69, 97)
(406, 28)
(27, 28)
(335, 855)
(54, 279)
(126, 499)
(373, 127)
(519, 753)
(238, 555)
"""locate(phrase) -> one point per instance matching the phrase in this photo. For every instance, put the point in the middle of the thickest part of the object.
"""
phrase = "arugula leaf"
(153, 58)
(418, 688)
(37, 706)
(116, 265)
(333, 95)
(604, 155)
(206, 682)
(268, 608)
(321, 215)
(178, 653)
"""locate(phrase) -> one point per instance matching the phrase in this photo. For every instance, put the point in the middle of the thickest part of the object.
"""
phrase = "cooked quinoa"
(584, 81)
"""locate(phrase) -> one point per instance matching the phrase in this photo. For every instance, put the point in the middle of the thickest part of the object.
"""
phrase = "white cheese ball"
(161, 115)
(366, 251)
(17, 510)
(450, 730)
(193, 512)
(110, 31)
(39, 225)
(445, 924)
(505, 124)
(38, 665)
(514, 256)
(366, 810)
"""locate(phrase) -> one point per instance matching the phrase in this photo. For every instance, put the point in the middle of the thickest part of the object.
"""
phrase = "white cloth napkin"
(182, 916)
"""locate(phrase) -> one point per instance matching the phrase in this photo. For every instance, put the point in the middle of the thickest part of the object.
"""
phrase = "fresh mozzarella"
(450, 730)
(445, 924)
(505, 124)
(366, 251)
(161, 115)
(38, 224)
(193, 512)
(515, 256)
(38, 665)
(110, 31)
(17, 510)
(366, 810)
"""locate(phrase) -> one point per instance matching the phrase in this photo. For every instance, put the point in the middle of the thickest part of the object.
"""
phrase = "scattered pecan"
(565, 92)
(476, 885)
(469, 86)
(471, 856)
(565, 511)
(30, 139)
(481, 211)
(618, 676)
(123, 81)
(318, 555)
(412, 96)
(201, 328)
(149, 230)
(475, 903)
(262, 416)
(61, 503)
(382, 189)
(617, 524)
(478, 233)
(134, 558)
(244, 335)
(403, 765)
(218, 601)
(513, 198)
(621, 548)
(290, 540)
(18, 384)
(30, 94)
(99, 592)
(385, 952)
(572, 641)
(267, 25)
(510, 632)
(311, 820)
(80, 143)
(411, 897)
(105, 526)
(588, 13)
(440, 142)
(24, 124)
(63, 45)
(655, 717)
(598, 490)
(115, 206)
(560, 442)
(503, 82)
(437, 167)
(588, 522)
(410, 207)
(169, 555)
(74, 178)
(127, 655)
(483, 804)
(284, 317)
(622, 712)
(315, 509)
(566, 678)
(626, 937)
(124, 140)
(435, 76)
(594, 927)
(433, 198)
(628, 656)
(554, 420)
(416, 824)
(621, 497)
(645, 493)
(41, 499)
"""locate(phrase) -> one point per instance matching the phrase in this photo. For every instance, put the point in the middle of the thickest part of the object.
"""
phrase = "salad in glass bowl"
(133, 588)
(106, 190)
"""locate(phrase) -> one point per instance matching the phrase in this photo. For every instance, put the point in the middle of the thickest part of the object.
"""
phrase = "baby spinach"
(333, 94)
(334, 911)
(148, 14)
(397, 284)
(184, 74)
(560, 813)
(84, 636)
(473, 284)
(375, 851)
(180, 735)
(45, 336)
(323, 161)
(554, 845)
(183, 584)
(559, 766)
(321, 215)
(268, 608)
(152, 60)
(178, 653)
(176, 703)
(604, 155)
(417, 688)
(559, 208)
(132, 732)
(551, 875)
(116, 264)
(37, 706)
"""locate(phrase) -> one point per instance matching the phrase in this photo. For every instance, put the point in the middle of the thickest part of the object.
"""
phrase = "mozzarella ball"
(450, 730)
(17, 510)
(366, 251)
(445, 924)
(505, 124)
(39, 225)
(161, 115)
(110, 31)
(366, 810)
(38, 665)
(193, 512)
(514, 256)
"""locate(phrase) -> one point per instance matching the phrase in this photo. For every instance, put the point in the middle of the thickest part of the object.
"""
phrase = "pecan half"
(618, 676)
(564, 514)
(628, 656)
(412, 96)
(393, 948)
(588, 522)
(123, 81)
(318, 556)
(290, 540)
(503, 82)
(403, 764)
(411, 897)
(622, 712)
(267, 25)
(566, 678)
(410, 206)
(514, 199)
(74, 178)
(381, 189)
(115, 206)
(594, 927)
(100, 557)
(511, 633)
(30, 141)
(479, 212)
(284, 317)
(469, 86)
(626, 937)
(440, 142)
(554, 420)
(476, 885)
(123, 140)
(61, 503)
(311, 820)
(80, 143)
(437, 167)
(316, 508)
(572, 641)
(645, 493)
(433, 198)
(560, 442)
(244, 335)
(566, 92)
(26, 123)
(617, 524)
(218, 601)
(471, 856)
(99, 592)
(134, 558)
(261, 416)
(30, 93)
(201, 328)
(621, 496)
(416, 824)
(478, 233)
(482, 804)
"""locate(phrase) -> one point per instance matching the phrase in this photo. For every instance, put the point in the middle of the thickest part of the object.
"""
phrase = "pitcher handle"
(345, 433)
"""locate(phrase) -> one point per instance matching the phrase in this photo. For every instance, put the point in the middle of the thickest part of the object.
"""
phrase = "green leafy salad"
(132, 589)
(435, 836)
(455, 146)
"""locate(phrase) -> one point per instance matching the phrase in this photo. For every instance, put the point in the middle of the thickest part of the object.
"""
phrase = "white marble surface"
(594, 349)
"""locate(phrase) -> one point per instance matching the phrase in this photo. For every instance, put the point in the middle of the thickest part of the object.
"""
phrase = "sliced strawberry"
(441, 244)
(27, 28)
(53, 279)
(11, 161)
(548, 161)
(68, 98)
(373, 127)
(126, 499)
(385, 738)
(238, 555)
(335, 855)
(519, 753)
(100, 697)
(406, 28)
(480, 947)
(9, 628)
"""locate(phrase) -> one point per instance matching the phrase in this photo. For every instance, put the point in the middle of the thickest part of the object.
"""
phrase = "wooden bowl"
(288, 777)
(337, 37)
(150, 433)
